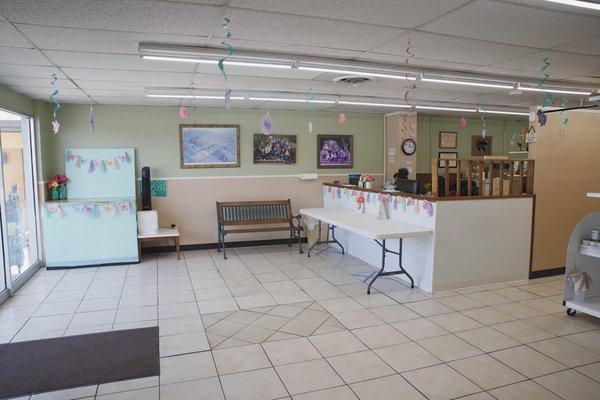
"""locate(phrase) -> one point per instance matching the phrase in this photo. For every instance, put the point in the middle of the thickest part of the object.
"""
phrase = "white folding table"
(370, 226)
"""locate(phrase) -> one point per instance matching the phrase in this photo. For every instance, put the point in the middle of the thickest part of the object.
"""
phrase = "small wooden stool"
(162, 234)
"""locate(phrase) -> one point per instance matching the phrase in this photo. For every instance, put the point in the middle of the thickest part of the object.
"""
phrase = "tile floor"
(269, 323)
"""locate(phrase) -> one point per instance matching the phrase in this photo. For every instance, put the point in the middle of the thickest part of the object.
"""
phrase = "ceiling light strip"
(502, 112)
(368, 104)
(553, 90)
(435, 108)
(468, 83)
(287, 100)
(577, 3)
(405, 77)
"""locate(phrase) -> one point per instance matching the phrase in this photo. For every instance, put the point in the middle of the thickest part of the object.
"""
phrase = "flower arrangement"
(368, 178)
(58, 187)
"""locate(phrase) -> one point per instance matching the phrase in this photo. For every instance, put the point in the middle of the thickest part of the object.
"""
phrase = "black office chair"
(407, 185)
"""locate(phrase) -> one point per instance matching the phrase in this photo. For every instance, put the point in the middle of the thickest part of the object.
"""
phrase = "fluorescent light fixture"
(577, 3)
(193, 96)
(553, 90)
(359, 103)
(468, 83)
(405, 77)
(502, 112)
(286, 100)
(445, 109)
(214, 62)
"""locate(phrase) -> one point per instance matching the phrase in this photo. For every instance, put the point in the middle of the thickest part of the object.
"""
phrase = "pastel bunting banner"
(93, 165)
(90, 209)
(53, 210)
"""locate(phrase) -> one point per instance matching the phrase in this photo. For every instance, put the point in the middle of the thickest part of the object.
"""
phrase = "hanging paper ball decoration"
(483, 132)
(541, 117)
(267, 124)
(184, 112)
(92, 120)
(462, 122)
(342, 118)
(55, 126)
(311, 126)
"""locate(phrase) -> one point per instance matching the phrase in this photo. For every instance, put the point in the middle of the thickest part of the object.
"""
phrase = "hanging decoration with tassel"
(563, 114)
(221, 64)
(311, 111)
(483, 121)
(266, 125)
(92, 120)
(184, 112)
(408, 130)
(55, 92)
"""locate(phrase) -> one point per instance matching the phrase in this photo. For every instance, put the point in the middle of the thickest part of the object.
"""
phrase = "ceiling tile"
(37, 82)
(433, 46)
(9, 36)
(21, 56)
(115, 75)
(122, 15)
(44, 92)
(416, 62)
(510, 23)
(561, 63)
(396, 13)
(307, 31)
(589, 46)
(100, 41)
(114, 61)
(28, 71)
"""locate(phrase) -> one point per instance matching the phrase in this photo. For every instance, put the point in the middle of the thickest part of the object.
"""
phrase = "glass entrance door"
(19, 200)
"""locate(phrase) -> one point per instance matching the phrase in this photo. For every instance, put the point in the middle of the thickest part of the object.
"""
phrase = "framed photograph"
(209, 146)
(334, 151)
(481, 146)
(447, 155)
(448, 140)
(274, 149)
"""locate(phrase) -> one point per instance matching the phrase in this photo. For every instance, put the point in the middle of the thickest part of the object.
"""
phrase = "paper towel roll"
(147, 222)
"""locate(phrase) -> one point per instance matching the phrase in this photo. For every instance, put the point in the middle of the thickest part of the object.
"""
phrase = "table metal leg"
(331, 229)
(401, 269)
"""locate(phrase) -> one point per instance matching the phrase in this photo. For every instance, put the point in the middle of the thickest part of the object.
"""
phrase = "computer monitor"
(407, 185)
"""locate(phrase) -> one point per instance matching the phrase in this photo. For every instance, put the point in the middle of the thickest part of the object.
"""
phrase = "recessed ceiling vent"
(353, 80)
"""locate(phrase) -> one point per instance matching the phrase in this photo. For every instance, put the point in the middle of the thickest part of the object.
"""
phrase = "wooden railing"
(489, 177)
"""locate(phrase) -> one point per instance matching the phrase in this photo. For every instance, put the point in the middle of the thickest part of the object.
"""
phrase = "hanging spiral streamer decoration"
(311, 111)
(57, 106)
(221, 63)
(562, 131)
(542, 82)
(407, 127)
(483, 121)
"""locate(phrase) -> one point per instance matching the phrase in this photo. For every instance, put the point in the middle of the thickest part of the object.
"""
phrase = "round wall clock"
(409, 146)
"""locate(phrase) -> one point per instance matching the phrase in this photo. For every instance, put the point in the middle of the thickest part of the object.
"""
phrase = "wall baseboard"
(542, 273)
(210, 246)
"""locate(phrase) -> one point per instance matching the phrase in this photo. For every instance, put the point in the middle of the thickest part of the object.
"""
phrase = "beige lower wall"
(565, 170)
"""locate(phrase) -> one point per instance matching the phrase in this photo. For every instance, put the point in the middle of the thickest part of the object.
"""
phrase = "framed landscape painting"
(274, 149)
(334, 151)
(209, 146)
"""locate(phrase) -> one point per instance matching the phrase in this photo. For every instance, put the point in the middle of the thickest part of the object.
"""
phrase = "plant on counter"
(58, 187)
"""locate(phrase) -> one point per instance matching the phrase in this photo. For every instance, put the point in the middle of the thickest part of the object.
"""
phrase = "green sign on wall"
(158, 188)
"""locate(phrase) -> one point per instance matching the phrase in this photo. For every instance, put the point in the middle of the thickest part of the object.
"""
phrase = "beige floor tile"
(566, 352)
(183, 343)
(73, 393)
(395, 313)
(240, 359)
(360, 366)
(340, 305)
(478, 396)
(392, 387)
(187, 367)
(528, 390)
(253, 334)
(135, 314)
(47, 309)
(298, 327)
(427, 308)
(93, 318)
(591, 370)
(110, 303)
(258, 300)
(308, 376)
(487, 372)
(126, 385)
(138, 394)
(174, 326)
(487, 339)
(419, 328)
(270, 322)
(562, 324)
(208, 388)
(448, 347)
(380, 336)
(290, 351)
(518, 310)
(407, 356)
(336, 393)
(459, 302)
(358, 319)
(454, 322)
(333, 344)
(263, 384)
(571, 385)
(219, 305)
(287, 311)
(228, 343)
(544, 305)
(522, 331)
(375, 300)
(488, 298)
(528, 361)
(488, 315)
(589, 340)
(440, 382)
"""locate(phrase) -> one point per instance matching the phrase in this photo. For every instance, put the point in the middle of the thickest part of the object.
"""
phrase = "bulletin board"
(100, 173)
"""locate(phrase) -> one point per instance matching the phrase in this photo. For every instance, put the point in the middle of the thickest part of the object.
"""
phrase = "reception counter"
(474, 240)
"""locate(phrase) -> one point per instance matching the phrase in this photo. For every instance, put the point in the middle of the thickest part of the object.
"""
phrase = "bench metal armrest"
(296, 218)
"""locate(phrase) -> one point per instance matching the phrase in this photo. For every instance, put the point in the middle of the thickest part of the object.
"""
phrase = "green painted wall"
(17, 102)
(154, 132)
(428, 128)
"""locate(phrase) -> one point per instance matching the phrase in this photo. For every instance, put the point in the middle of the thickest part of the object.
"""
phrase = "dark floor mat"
(58, 363)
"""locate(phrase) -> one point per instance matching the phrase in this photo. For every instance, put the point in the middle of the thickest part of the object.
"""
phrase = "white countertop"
(162, 232)
(365, 224)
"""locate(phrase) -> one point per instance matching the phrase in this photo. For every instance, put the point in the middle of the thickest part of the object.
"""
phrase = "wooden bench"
(248, 213)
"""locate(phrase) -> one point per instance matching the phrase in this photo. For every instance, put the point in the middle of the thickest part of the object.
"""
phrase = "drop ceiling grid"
(109, 44)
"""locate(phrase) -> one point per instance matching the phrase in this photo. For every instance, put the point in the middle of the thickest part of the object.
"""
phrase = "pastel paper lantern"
(462, 122)
(55, 126)
(267, 124)
(311, 126)
(184, 112)
(342, 118)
